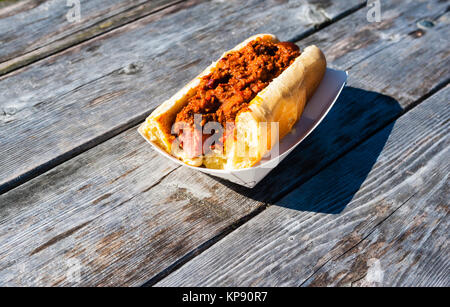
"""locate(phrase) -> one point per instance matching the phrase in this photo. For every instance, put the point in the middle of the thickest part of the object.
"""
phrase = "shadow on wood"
(357, 115)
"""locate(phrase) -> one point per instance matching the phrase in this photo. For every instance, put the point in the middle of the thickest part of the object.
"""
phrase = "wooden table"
(85, 201)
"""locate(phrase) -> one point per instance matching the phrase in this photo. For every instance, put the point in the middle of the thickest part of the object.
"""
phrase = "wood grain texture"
(382, 82)
(358, 114)
(400, 21)
(410, 249)
(122, 215)
(34, 29)
(290, 242)
(5, 3)
(66, 103)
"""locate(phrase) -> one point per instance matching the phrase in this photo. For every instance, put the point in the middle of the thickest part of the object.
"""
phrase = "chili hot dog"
(234, 112)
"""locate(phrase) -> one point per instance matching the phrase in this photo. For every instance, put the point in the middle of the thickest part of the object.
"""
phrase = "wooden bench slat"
(121, 209)
(32, 30)
(410, 249)
(340, 223)
(402, 70)
(66, 197)
(67, 103)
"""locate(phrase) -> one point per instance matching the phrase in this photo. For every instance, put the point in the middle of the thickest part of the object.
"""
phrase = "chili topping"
(236, 80)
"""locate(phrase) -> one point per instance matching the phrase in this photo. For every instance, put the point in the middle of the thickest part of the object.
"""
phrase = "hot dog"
(234, 112)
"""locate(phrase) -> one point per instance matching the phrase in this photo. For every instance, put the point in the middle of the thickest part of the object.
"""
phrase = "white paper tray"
(315, 111)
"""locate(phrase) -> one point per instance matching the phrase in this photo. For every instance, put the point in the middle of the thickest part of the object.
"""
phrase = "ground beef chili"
(236, 80)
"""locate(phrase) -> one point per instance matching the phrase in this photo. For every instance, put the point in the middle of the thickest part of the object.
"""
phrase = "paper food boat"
(315, 111)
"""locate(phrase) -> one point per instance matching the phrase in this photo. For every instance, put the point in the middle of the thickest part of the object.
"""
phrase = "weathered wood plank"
(51, 213)
(5, 3)
(321, 147)
(113, 81)
(290, 241)
(31, 30)
(400, 21)
(391, 71)
(409, 249)
(120, 210)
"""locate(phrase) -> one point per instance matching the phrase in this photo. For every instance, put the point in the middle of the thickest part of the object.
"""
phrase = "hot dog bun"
(282, 102)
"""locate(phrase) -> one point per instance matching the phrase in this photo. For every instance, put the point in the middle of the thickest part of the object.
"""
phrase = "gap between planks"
(206, 245)
(422, 93)
(259, 210)
(358, 243)
(41, 169)
(346, 249)
(410, 107)
(79, 37)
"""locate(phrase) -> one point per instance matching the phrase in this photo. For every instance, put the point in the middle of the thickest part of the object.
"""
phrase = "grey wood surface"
(409, 249)
(31, 29)
(113, 81)
(393, 222)
(381, 83)
(126, 215)
(91, 200)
